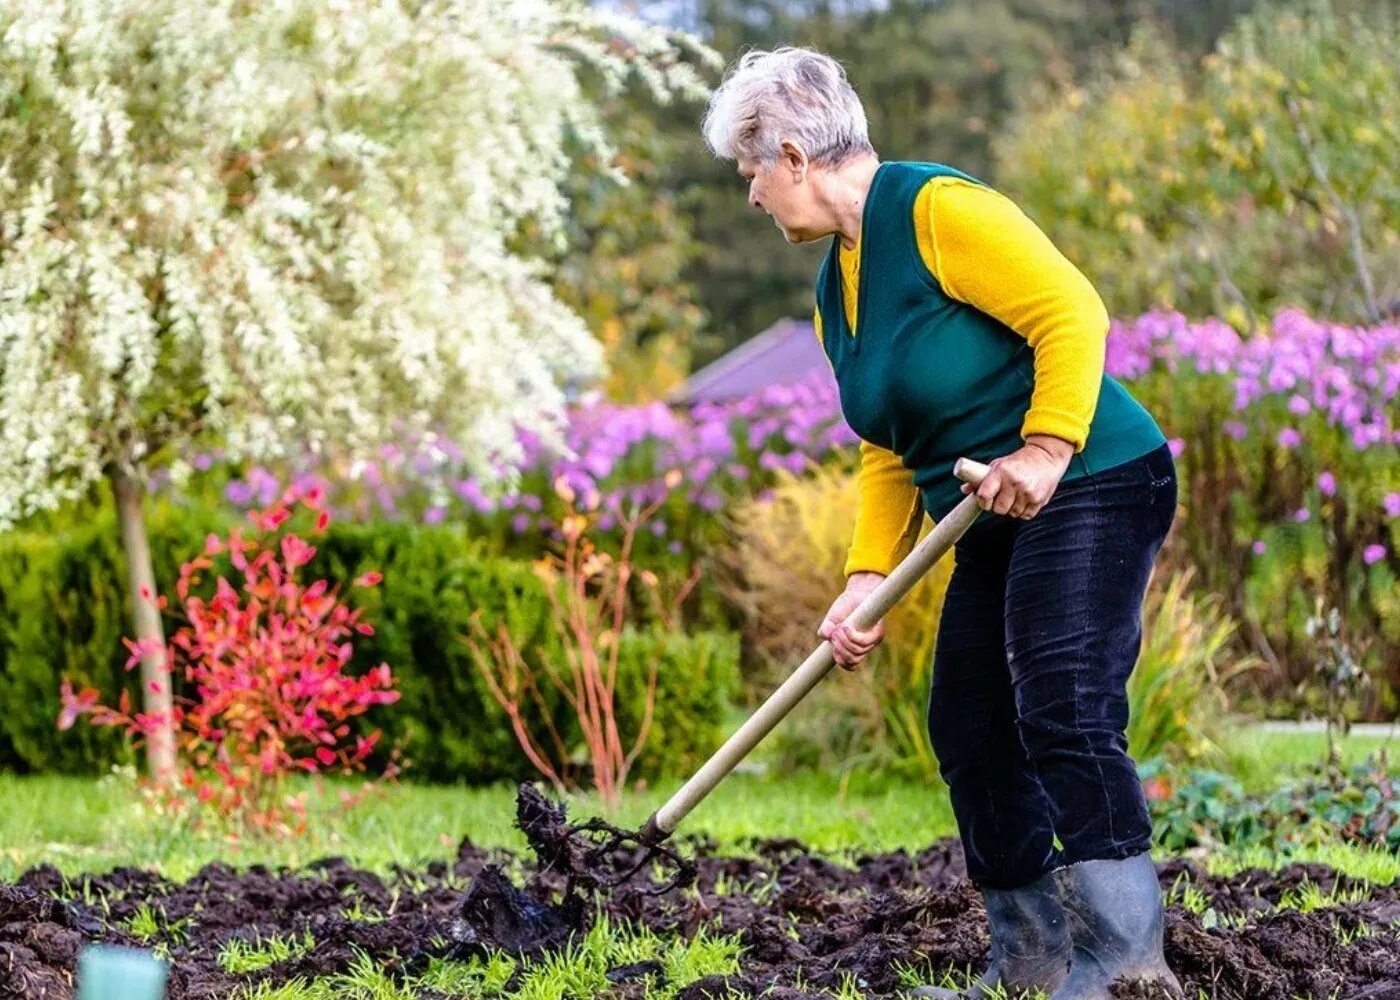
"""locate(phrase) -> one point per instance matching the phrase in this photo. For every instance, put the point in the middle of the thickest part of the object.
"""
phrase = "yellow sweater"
(984, 251)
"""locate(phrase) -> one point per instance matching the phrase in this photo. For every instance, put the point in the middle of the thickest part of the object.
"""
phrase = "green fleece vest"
(934, 379)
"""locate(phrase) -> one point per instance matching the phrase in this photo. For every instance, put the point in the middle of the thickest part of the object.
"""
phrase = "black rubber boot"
(1115, 921)
(1030, 943)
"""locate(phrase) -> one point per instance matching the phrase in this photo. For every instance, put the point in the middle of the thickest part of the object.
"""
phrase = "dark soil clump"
(807, 924)
(495, 914)
(1141, 990)
(594, 854)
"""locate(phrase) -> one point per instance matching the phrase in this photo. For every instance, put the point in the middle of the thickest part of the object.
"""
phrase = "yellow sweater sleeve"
(984, 251)
(888, 509)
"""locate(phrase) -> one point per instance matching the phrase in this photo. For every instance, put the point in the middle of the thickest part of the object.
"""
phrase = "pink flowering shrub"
(263, 665)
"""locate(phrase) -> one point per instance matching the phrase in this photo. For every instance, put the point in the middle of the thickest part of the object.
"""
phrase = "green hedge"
(64, 610)
(434, 578)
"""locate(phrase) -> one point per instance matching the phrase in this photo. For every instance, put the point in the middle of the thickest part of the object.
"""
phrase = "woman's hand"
(1021, 483)
(850, 645)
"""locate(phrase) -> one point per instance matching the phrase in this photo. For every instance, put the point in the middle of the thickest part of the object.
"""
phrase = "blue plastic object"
(108, 973)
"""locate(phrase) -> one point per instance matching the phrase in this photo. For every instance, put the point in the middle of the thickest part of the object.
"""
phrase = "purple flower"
(714, 438)
(434, 515)
(1373, 554)
(1330, 383)
(1259, 548)
(657, 528)
(264, 484)
(202, 462)
(598, 465)
(470, 491)
(238, 493)
(520, 523)
(675, 548)
(308, 481)
(1302, 514)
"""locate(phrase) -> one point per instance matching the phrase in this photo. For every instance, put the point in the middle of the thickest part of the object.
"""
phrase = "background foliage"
(1269, 175)
(940, 81)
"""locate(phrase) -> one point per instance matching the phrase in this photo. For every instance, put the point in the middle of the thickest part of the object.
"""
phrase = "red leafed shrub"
(265, 660)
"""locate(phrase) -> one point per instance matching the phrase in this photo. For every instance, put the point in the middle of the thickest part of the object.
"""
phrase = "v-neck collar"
(861, 283)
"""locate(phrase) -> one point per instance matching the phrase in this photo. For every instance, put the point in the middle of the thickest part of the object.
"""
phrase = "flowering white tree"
(285, 225)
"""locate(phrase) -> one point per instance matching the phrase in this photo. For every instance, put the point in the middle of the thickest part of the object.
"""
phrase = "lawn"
(81, 824)
(1258, 757)
(78, 824)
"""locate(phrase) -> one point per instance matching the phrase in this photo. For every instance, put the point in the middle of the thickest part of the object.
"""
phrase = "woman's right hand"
(851, 645)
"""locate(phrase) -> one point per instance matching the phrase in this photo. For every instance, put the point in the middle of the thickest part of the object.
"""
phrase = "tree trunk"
(155, 679)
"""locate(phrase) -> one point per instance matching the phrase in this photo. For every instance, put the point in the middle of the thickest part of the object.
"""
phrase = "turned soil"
(801, 918)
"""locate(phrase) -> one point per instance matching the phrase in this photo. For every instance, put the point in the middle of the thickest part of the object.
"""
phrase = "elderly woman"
(955, 328)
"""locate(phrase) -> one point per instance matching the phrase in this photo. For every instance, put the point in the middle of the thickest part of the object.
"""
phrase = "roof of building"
(788, 351)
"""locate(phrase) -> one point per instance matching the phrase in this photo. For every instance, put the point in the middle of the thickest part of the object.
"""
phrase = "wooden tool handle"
(901, 580)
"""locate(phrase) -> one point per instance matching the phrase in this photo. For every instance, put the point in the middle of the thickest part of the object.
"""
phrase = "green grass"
(1308, 896)
(78, 824)
(577, 971)
(1259, 758)
(81, 824)
(1370, 863)
(239, 956)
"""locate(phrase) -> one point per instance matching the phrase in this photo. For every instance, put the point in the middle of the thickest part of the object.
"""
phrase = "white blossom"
(286, 225)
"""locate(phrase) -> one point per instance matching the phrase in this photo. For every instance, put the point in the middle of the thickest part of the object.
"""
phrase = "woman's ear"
(793, 157)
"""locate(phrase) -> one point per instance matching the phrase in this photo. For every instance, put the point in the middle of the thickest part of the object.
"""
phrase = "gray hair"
(789, 93)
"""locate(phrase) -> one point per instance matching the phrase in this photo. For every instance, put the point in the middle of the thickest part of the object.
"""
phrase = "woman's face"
(784, 190)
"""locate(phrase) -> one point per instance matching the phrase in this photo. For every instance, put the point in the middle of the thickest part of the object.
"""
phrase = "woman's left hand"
(1021, 483)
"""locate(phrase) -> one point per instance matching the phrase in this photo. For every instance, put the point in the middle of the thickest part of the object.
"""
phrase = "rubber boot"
(1030, 943)
(1115, 921)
